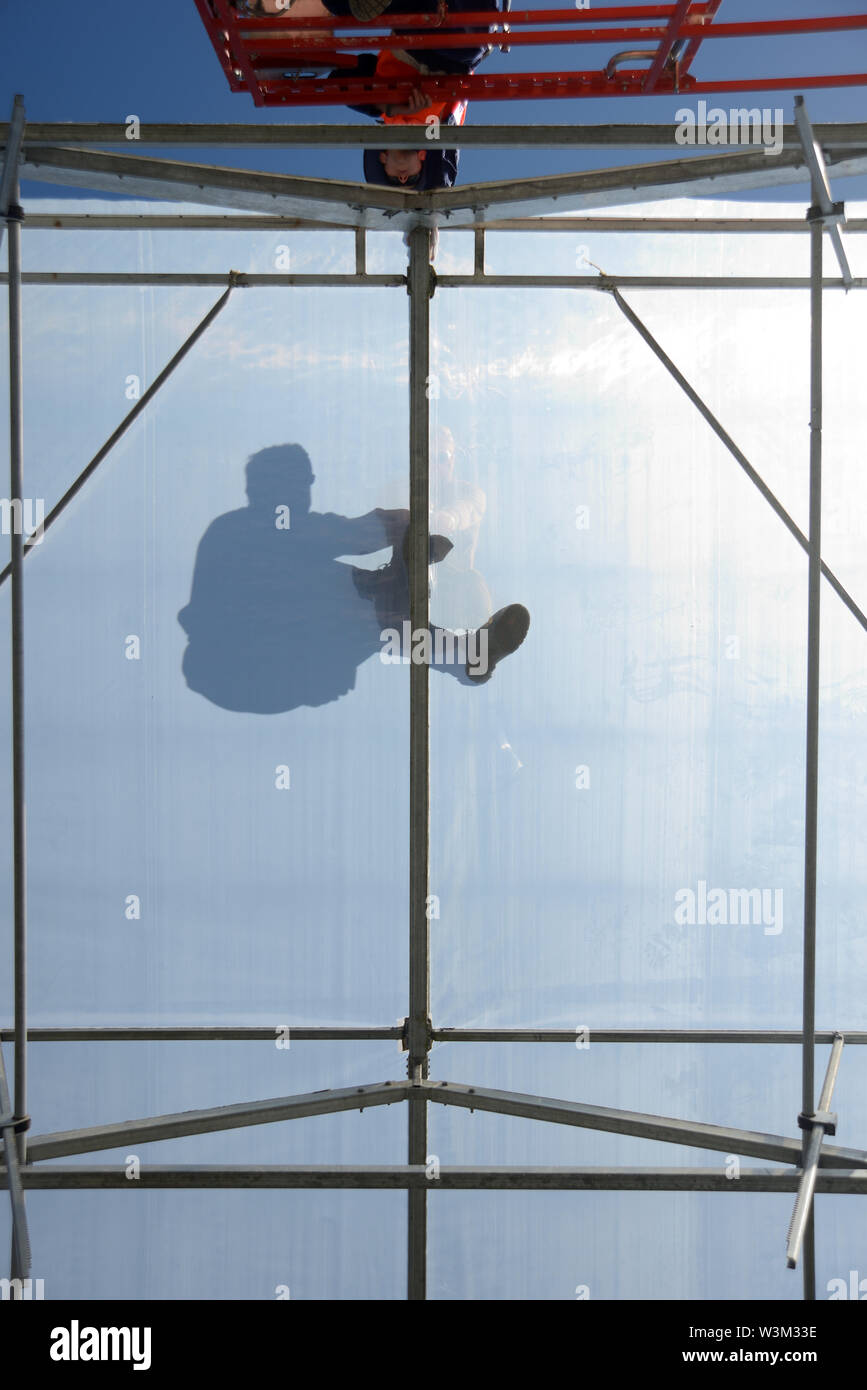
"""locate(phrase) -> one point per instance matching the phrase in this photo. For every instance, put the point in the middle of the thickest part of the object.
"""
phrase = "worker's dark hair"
(436, 171)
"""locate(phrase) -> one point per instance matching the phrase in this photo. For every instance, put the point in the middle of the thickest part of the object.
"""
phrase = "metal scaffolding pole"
(194, 280)
(261, 222)
(811, 824)
(14, 134)
(418, 1040)
(280, 135)
(251, 1032)
(12, 214)
(20, 1263)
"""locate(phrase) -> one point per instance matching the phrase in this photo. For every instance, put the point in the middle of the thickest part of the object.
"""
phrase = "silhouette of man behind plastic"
(275, 620)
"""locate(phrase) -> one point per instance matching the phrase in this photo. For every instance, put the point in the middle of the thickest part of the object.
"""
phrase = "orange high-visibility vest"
(389, 65)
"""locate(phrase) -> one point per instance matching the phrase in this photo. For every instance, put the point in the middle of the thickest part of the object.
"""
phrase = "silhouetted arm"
(363, 535)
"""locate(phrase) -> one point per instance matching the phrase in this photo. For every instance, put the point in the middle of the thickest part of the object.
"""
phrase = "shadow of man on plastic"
(276, 620)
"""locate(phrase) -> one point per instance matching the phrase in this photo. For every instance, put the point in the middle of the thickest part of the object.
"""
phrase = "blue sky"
(155, 60)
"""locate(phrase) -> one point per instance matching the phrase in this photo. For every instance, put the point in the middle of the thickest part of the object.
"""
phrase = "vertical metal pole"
(419, 1037)
(812, 788)
(16, 496)
(20, 1264)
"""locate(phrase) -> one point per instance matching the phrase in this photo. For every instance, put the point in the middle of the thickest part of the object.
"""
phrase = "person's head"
(419, 170)
(280, 476)
(403, 167)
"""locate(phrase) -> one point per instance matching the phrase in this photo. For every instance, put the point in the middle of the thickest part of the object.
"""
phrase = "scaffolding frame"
(814, 1166)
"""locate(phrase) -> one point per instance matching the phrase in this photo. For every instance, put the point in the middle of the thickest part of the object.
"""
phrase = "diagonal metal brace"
(832, 215)
(821, 1122)
(11, 159)
(234, 278)
(741, 458)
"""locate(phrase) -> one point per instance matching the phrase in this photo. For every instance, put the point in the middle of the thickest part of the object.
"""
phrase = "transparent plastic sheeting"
(215, 840)
(600, 804)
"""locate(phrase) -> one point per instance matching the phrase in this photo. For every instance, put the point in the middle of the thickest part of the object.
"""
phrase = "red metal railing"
(273, 59)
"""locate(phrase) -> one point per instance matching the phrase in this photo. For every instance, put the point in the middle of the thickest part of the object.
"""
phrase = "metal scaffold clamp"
(825, 1119)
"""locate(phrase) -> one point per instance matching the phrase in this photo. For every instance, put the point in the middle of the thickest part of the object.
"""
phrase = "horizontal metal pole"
(639, 1035)
(690, 225)
(626, 135)
(205, 1032)
(458, 1178)
(260, 1112)
(666, 1130)
(242, 222)
(50, 277)
(274, 281)
(645, 282)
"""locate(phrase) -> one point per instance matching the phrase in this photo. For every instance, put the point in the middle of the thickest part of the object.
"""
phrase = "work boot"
(506, 631)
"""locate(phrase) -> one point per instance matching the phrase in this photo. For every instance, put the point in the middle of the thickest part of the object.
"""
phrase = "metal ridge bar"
(754, 477)
(457, 1178)
(643, 183)
(250, 189)
(258, 1112)
(357, 204)
(76, 486)
(666, 1130)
